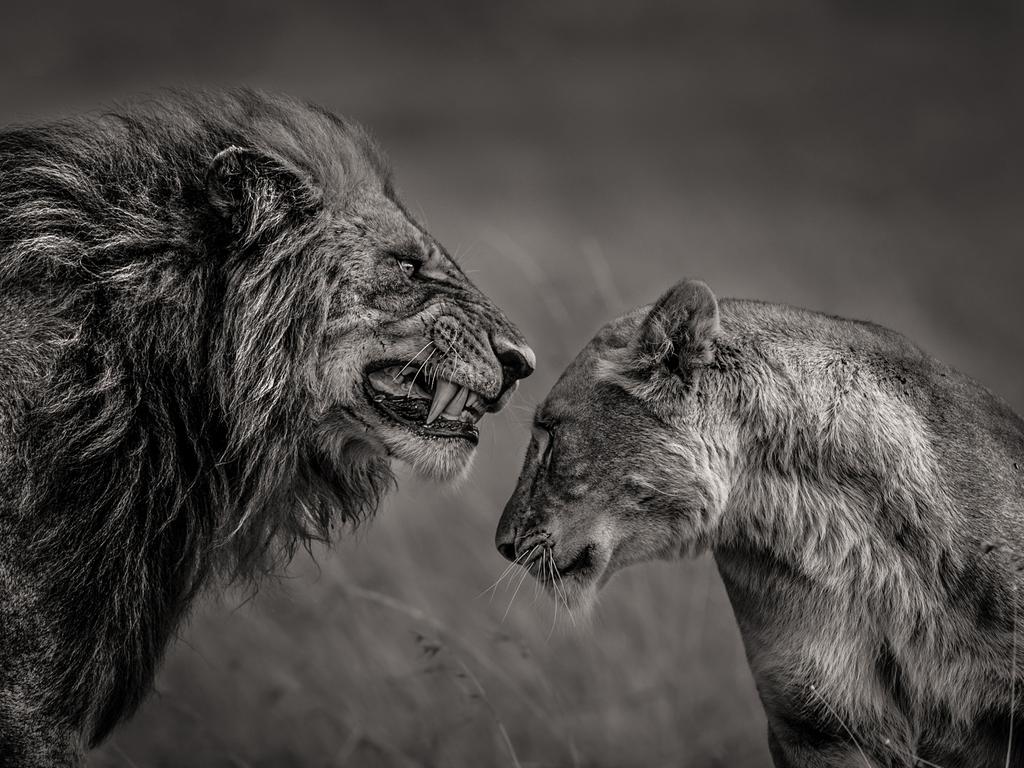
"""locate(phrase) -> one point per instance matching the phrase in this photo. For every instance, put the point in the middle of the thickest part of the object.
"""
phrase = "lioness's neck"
(835, 477)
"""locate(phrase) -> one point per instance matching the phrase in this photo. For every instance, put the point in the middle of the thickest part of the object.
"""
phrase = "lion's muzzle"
(488, 363)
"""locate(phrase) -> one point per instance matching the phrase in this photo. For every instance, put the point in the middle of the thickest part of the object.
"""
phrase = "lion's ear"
(247, 183)
(680, 330)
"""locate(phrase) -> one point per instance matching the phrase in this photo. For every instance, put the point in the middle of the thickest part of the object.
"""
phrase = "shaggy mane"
(170, 443)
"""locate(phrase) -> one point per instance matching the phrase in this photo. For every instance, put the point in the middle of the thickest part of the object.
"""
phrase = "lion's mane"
(169, 442)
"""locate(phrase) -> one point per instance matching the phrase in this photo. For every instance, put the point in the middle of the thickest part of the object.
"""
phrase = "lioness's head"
(403, 353)
(620, 468)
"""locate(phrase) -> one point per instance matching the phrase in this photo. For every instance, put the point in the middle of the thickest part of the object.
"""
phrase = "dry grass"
(387, 654)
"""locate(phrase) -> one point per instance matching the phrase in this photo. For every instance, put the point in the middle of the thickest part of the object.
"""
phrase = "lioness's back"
(977, 437)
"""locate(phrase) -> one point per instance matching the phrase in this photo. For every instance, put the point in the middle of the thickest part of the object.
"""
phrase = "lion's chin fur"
(445, 460)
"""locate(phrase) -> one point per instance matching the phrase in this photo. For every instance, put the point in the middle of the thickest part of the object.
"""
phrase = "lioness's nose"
(505, 537)
(516, 358)
(508, 550)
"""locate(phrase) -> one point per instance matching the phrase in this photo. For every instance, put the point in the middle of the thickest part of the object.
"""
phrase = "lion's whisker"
(412, 360)
(437, 368)
(459, 362)
(413, 382)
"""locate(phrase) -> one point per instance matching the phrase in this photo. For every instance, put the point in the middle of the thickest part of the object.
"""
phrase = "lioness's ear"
(245, 182)
(680, 331)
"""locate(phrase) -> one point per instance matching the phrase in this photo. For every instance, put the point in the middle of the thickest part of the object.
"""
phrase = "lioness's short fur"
(863, 502)
(217, 322)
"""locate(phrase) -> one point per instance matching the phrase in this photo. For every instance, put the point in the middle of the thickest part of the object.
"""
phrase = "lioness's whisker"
(560, 588)
(508, 570)
(549, 563)
(520, 584)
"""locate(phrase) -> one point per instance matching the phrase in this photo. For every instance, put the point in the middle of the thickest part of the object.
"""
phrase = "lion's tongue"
(444, 394)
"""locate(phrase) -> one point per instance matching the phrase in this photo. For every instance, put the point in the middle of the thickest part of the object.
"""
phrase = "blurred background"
(858, 157)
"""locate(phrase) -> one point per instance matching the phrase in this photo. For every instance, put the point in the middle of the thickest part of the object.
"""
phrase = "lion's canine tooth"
(455, 407)
(443, 394)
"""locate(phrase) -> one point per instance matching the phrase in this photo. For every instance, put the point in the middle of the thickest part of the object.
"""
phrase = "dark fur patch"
(169, 441)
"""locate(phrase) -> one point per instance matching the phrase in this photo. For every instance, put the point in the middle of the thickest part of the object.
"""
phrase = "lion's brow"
(408, 250)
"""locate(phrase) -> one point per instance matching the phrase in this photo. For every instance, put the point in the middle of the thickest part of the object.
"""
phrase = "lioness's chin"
(575, 579)
(579, 597)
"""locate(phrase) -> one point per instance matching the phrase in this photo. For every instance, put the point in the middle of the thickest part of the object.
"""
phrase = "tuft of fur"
(182, 284)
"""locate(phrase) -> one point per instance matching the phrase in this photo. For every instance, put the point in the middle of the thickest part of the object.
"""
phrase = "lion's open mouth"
(422, 400)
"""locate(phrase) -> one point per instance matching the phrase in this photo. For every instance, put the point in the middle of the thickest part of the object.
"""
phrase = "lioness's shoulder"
(957, 409)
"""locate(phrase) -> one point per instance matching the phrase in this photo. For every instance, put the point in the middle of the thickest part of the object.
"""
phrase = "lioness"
(217, 323)
(863, 502)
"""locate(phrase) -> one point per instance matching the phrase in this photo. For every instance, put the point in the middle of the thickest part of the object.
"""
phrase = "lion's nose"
(517, 360)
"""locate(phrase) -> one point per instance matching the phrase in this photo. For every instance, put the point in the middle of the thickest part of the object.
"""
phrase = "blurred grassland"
(857, 158)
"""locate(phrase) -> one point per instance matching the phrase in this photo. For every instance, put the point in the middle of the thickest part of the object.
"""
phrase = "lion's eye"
(409, 267)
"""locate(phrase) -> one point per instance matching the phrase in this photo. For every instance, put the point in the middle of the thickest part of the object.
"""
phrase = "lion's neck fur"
(169, 440)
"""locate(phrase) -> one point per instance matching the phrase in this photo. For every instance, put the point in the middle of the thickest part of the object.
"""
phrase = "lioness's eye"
(408, 266)
(543, 438)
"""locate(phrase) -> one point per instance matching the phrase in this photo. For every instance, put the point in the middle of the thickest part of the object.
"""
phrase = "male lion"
(217, 322)
(863, 502)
